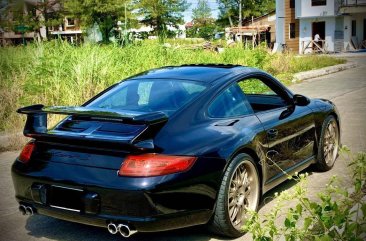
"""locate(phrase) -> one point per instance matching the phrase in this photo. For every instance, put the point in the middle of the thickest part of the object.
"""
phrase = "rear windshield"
(149, 95)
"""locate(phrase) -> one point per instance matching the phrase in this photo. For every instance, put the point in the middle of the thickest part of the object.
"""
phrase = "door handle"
(272, 134)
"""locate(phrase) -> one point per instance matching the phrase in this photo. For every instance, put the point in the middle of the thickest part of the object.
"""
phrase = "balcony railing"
(352, 3)
(320, 46)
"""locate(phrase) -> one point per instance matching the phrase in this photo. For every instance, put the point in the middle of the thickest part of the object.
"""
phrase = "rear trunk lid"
(89, 136)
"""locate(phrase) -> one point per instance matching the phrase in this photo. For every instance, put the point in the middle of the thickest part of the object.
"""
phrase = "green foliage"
(105, 13)
(339, 214)
(205, 31)
(285, 65)
(57, 73)
(203, 24)
(229, 10)
(202, 10)
(161, 13)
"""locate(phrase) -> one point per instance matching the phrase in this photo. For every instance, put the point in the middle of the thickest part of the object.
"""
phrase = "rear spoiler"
(36, 124)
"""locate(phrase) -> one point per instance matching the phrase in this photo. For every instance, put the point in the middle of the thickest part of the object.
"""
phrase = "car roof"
(196, 72)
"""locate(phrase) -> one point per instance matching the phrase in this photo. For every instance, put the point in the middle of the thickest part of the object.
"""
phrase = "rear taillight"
(26, 153)
(147, 165)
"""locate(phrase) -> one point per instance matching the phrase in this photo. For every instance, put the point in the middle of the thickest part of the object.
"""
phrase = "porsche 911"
(170, 148)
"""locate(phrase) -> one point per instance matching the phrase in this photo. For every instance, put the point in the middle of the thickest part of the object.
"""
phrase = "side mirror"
(301, 100)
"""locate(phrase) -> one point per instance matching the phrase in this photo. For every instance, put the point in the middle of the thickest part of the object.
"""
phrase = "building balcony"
(353, 3)
(12, 35)
(352, 6)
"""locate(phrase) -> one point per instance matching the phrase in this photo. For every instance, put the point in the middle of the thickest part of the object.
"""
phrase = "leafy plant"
(339, 214)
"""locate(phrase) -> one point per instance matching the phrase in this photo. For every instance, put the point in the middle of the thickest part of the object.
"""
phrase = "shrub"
(339, 214)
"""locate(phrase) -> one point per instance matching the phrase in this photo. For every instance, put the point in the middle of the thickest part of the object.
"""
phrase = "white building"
(341, 24)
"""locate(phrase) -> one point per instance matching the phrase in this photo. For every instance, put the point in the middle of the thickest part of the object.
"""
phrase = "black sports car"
(172, 147)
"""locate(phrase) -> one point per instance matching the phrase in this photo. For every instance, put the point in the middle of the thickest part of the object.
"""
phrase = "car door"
(290, 129)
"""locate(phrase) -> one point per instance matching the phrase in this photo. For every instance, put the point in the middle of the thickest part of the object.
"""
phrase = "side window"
(292, 30)
(292, 3)
(262, 96)
(230, 103)
(255, 86)
(193, 89)
(318, 2)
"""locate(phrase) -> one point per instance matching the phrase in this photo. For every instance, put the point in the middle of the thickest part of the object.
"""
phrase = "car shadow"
(46, 227)
(286, 185)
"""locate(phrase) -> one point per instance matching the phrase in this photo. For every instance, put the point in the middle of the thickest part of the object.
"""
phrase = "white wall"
(330, 27)
(359, 28)
(305, 10)
(280, 24)
(306, 32)
(347, 32)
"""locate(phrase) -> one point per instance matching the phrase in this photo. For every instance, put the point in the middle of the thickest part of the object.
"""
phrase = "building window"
(70, 22)
(292, 3)
(318, 2)
(292, 32)
(353, 28)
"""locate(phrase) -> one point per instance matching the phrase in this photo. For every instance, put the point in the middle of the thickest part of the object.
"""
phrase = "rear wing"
(36, 124)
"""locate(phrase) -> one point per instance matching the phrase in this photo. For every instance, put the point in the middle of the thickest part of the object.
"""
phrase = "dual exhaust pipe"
(26, 210)
(123, 229)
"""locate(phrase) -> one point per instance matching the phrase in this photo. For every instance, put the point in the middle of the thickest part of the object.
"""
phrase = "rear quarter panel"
(322, 108)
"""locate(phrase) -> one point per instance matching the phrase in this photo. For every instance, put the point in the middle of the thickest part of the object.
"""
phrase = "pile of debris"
(201, 46)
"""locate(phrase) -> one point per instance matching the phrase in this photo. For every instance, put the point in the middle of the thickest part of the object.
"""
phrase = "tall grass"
(57, 73)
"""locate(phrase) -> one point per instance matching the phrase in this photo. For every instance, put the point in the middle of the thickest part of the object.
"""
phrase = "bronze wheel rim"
(243, 193)
(331, 145)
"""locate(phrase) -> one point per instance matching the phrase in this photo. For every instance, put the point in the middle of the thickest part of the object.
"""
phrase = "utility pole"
(240, 14)
(125, 34)
(126, 16)
(240, 20)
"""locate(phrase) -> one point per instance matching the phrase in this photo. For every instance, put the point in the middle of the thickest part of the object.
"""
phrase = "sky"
(213, 6)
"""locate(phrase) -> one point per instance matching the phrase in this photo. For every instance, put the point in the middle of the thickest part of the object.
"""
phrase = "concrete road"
(347, 89)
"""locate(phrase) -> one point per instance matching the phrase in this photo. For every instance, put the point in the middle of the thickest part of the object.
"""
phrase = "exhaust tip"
(112, 228)
(125, 230)
(29, 211)
(22, 209)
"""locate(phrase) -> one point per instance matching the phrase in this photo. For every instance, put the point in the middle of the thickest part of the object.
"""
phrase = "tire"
(233, 198)
(328, 144)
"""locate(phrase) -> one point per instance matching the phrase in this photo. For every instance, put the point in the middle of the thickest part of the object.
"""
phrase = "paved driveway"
(347, 89)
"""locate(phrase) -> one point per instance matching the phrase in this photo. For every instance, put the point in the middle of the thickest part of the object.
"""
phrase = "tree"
(160, 14)
(105, 13)
(23, 16)
(202, 11)
(203, 23)
(229, 10)
(48, 13)
(207, 31)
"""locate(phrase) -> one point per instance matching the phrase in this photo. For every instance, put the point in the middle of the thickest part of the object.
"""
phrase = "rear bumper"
(166, 203)
(148, 224)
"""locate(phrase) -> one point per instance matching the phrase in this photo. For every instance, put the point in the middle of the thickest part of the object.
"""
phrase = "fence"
(316, 46)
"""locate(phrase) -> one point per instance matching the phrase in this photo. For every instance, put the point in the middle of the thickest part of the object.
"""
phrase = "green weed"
(57, 73)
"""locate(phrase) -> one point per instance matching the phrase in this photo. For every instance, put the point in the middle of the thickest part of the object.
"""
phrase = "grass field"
(56, 73)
